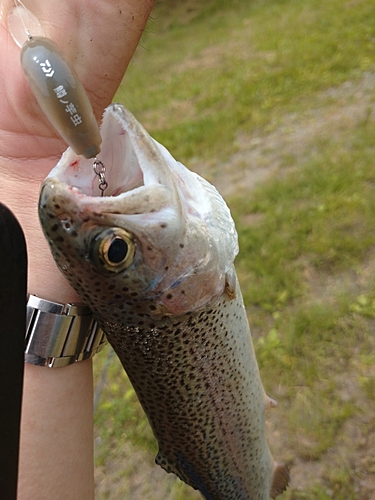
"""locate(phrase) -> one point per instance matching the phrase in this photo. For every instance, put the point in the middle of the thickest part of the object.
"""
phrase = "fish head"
(138, 247)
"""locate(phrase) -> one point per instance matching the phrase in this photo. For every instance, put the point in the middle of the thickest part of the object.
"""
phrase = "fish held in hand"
(153, 258)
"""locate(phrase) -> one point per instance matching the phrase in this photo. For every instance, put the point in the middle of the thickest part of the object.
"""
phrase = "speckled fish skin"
(175, 315)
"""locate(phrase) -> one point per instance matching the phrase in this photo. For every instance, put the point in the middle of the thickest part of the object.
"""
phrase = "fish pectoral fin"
(280, 479)
(162, 460)
(231, 283)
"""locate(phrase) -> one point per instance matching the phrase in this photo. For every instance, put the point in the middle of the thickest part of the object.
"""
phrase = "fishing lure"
(61, 95)
(58, 91)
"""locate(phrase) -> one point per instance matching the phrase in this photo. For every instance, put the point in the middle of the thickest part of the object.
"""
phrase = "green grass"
(207, 75)
(317, 220)
(320, 215)
(119, 405)
(241, 66)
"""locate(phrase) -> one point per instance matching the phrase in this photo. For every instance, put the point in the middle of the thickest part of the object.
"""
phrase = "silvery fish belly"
(153, 258)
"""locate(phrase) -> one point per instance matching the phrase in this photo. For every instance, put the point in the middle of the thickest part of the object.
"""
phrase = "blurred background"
(273, 101)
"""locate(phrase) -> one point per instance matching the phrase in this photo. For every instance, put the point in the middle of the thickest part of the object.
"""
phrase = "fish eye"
(117, 251)
(113, 249)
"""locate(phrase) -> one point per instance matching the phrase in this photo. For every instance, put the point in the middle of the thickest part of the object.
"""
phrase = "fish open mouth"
(135, 168)
(181, 225)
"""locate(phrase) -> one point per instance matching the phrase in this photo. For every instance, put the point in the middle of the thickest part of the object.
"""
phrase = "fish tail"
(280, 479)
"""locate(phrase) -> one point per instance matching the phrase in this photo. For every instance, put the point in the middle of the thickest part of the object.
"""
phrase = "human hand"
(98, 39)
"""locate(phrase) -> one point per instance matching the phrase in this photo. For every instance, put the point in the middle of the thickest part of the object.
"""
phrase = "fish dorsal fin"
(280, 479)
(269, 401)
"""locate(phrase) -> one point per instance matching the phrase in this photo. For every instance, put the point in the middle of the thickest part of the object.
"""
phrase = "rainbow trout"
(153, 258)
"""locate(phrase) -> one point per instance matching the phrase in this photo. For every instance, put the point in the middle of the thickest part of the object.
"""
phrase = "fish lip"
(134, 166)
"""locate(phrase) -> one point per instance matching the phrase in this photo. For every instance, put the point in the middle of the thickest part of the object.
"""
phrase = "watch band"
(60, 334)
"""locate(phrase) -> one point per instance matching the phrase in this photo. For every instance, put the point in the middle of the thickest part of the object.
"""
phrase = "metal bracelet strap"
(60, 334)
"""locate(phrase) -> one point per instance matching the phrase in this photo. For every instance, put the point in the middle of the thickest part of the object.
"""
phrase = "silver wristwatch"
(60, 334)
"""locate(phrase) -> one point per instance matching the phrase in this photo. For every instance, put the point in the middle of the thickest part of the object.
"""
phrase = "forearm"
(56, 450)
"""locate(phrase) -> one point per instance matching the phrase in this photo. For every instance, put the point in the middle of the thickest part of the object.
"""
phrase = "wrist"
(20, 193)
